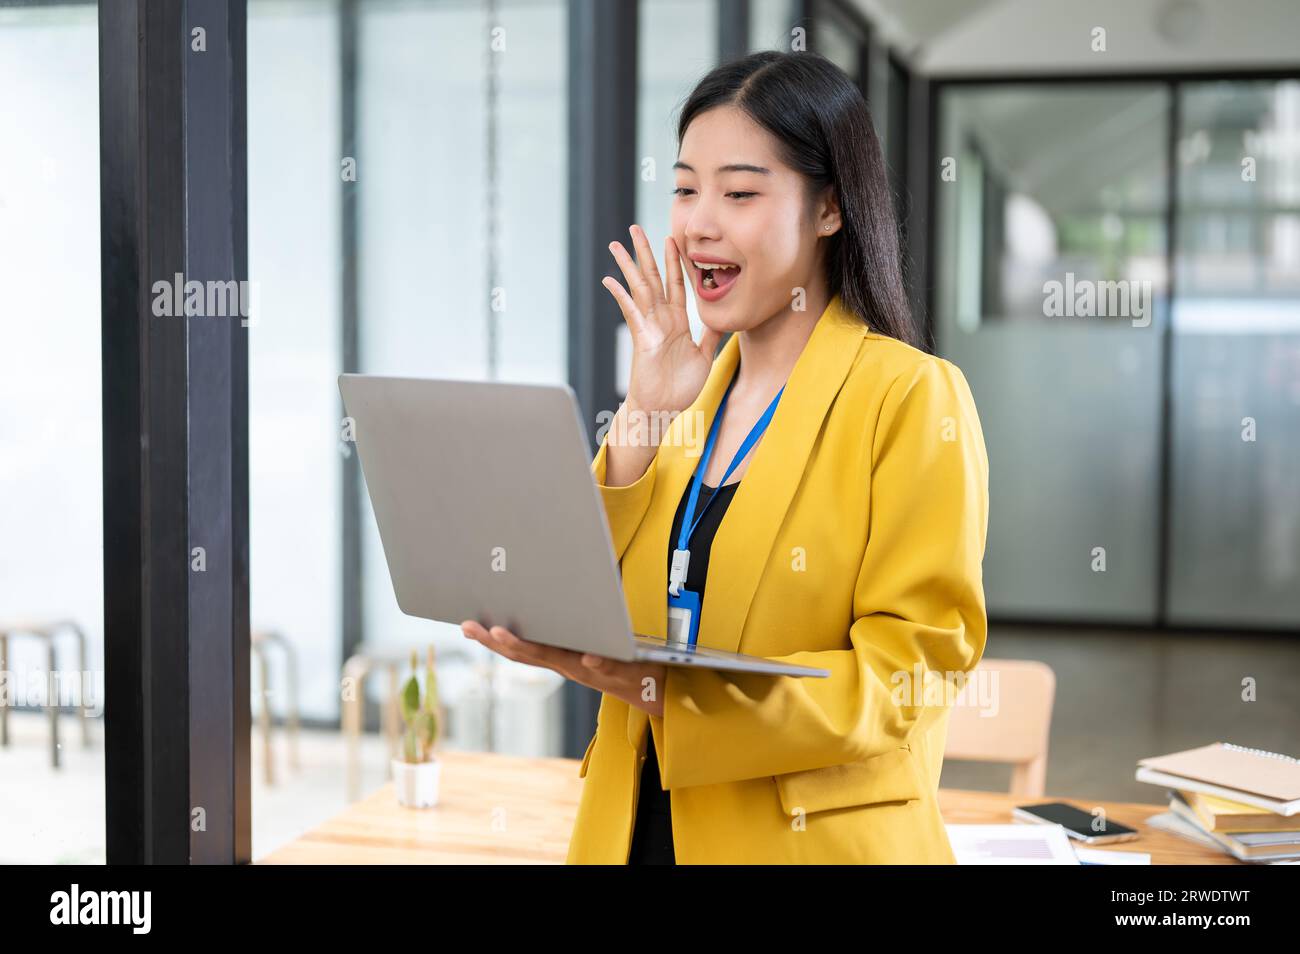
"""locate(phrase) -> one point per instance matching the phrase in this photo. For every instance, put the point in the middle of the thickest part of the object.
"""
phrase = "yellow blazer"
(854, 543)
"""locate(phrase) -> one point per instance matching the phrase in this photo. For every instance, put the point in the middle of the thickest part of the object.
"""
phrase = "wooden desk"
(499, 809)
(960, 807)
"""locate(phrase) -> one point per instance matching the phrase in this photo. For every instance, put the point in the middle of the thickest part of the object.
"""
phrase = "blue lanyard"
(689, 524)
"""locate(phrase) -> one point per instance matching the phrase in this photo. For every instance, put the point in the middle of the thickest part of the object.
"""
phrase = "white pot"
(416, 783)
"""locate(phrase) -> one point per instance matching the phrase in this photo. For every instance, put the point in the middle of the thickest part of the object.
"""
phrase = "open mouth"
(716, 276)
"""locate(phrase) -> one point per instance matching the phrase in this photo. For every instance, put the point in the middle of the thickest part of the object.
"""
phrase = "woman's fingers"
(512, 647)
(645, 260)
(597, 672)
(631, 314)
(677, 296)
(640, 290)
(502, 641)
(673, 266)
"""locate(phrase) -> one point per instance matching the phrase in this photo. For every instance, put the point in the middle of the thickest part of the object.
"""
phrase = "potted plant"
(415, 773)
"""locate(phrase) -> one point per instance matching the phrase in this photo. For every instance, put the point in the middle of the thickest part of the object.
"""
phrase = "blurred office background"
(1173, 445)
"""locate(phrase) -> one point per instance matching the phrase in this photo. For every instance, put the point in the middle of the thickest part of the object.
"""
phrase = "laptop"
(487, 510)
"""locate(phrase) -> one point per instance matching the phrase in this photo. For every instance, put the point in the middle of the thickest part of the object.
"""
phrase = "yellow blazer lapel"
(745, 537)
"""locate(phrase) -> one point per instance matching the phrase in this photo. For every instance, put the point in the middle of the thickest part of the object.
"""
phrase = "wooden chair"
(356, 669)
(1017, 731)
(46, 632)
(259, 642)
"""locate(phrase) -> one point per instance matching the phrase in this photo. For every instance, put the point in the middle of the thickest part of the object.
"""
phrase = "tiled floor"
(1120, 696)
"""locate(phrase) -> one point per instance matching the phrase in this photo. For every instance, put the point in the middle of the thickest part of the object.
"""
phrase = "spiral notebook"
(1252, 776)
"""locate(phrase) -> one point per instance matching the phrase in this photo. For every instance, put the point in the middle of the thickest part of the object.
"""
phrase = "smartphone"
(1078, 824)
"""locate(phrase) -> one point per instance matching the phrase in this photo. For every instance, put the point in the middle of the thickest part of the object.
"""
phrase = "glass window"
(457, 177)
(1235, 520)
(671, 60)
(295, 341)
(839, 40)
(51, 462)
(294, 432)
(463, 205)
(769, 24)
(1050, 246)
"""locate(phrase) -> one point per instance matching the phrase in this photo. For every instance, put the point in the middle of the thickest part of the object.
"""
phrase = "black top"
(652, 837)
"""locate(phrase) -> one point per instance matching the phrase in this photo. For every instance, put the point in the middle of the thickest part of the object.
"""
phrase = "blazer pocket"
(889, 777)
(586, 758)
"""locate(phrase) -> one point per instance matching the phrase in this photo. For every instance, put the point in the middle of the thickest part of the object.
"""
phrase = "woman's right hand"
(668, 367)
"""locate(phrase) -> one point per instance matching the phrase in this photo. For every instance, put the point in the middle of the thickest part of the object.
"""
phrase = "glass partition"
(440, 126)
(1235, 509)
(51, 455)
(462, 233)
(1051, 290)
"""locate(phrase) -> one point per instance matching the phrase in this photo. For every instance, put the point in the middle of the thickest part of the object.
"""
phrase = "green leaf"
(410, 699)
(430, 690)
(426, 726)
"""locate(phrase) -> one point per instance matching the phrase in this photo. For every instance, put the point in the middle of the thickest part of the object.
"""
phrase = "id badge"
(683, 617)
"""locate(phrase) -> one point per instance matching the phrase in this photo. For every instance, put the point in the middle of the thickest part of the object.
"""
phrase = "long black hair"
(825, 133)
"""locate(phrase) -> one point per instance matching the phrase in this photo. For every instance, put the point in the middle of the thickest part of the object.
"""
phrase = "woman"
(854, 521)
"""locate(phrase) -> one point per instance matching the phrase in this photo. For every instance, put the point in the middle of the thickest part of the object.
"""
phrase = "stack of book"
(1245, 802)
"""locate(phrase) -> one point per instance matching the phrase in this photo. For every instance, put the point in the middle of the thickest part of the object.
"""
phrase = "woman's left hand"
(631, 682)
